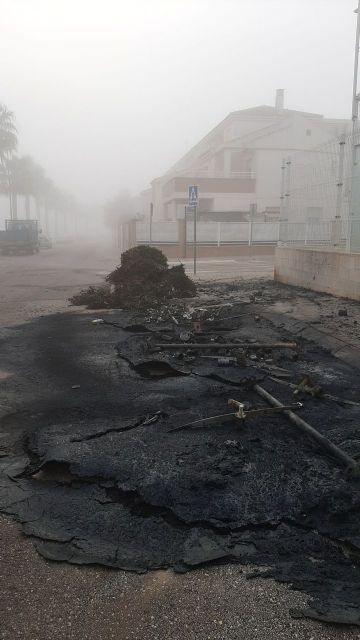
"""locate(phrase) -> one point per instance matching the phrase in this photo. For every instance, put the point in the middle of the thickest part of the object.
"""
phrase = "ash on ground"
(110, 463)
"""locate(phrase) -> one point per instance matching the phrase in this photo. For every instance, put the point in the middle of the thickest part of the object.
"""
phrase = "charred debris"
(142, 278)
(236, 440)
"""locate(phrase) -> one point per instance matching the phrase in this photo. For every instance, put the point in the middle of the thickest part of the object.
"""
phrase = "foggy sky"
(109, 94)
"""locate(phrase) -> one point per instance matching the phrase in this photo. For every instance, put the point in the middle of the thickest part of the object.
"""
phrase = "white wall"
(277, 137)
(268, 178)
(231, 202)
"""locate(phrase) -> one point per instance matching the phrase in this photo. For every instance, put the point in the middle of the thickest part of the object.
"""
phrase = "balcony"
(239, 182)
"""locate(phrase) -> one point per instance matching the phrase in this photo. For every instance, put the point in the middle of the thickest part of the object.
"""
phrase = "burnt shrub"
(93, 297)
(142, 279)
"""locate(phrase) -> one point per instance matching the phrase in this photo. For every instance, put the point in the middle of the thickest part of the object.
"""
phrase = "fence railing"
(337, 234)
(325, 233)
(211, 233)
(334, 234)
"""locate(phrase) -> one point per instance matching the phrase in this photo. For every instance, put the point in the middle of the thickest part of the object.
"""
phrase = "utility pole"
(355, 100)
(355, 118)
(195, 239)
(193, 203)
(150, 222)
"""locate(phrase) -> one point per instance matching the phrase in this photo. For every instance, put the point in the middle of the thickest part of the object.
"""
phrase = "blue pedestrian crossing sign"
(193, 195)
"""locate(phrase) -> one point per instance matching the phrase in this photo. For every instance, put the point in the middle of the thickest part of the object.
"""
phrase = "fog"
(108, 95)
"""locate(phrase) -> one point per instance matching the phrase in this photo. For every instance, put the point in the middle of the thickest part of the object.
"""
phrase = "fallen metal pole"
(324, 396)
(227, 345)
(326, 444)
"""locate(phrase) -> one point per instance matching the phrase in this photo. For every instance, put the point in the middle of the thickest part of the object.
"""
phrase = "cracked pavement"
(61, 481)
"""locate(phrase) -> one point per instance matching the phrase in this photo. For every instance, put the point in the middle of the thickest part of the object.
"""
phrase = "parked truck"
(20, 236)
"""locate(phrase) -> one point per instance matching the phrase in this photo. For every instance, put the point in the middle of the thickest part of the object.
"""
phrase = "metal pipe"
(227, 345)
(326, 444)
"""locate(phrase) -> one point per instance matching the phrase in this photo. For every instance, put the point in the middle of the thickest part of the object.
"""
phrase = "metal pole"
(336, 224)
(340, 182)
(151, 221)
(195, 241)
(355, 115)
(225, 345)
(355, 101)
(282, 194)
(287, 186)
(305, 427)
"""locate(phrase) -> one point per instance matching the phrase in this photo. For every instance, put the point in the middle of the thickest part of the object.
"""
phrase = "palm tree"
(21, 171)
(27, 179)
(119, 208)
(47, 198)
(8, 144)
(8, 133)
(62, 204)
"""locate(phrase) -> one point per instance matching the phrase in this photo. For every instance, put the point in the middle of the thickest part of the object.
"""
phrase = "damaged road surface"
(95, 469)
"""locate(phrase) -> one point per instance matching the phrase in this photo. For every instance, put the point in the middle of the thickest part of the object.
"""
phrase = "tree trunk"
(27, 207)
(56, 225)
(10, 206)
(14, 205)
(38, 211)
(47, 229)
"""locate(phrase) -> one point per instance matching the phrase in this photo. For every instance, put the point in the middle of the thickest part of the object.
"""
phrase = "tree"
(120, 208)
(26, 179)
(56, 200)
(8, 144)
(8, 132)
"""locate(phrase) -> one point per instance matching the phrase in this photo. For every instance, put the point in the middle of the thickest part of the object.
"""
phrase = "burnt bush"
(93, 297)
(142, 279)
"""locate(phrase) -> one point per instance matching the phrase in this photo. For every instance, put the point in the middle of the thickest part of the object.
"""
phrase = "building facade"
(237, 166)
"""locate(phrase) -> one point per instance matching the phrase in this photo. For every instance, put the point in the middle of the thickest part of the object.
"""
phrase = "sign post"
(193, 202)
(151, 221)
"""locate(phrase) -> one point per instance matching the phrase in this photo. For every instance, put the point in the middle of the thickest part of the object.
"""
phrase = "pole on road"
(195, 241)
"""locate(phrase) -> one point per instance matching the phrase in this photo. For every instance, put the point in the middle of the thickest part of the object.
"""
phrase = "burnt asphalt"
(50, 422)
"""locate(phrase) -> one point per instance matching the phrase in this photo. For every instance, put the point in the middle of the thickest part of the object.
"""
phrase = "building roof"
(261, 111)
(266, 110)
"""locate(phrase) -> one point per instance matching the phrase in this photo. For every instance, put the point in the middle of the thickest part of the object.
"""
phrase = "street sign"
(189, 209)
(193, 195)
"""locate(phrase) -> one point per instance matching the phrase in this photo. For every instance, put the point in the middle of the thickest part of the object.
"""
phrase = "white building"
(237, 166)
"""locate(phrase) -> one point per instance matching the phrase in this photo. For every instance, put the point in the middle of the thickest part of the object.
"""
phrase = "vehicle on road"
(20, 236)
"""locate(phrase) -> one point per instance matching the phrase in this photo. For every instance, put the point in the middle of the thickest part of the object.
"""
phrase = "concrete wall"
(328, 271)
(206, 251)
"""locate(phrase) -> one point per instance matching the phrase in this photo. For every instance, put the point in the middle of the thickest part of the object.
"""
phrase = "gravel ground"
(41, 600)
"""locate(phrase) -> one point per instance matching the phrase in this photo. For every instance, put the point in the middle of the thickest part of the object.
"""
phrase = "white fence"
(317, 182)
(326, 233)
(331, 234)
(210, 233)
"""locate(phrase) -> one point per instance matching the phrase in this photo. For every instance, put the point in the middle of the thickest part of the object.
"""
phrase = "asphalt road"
(41, 600)
(31, 286)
